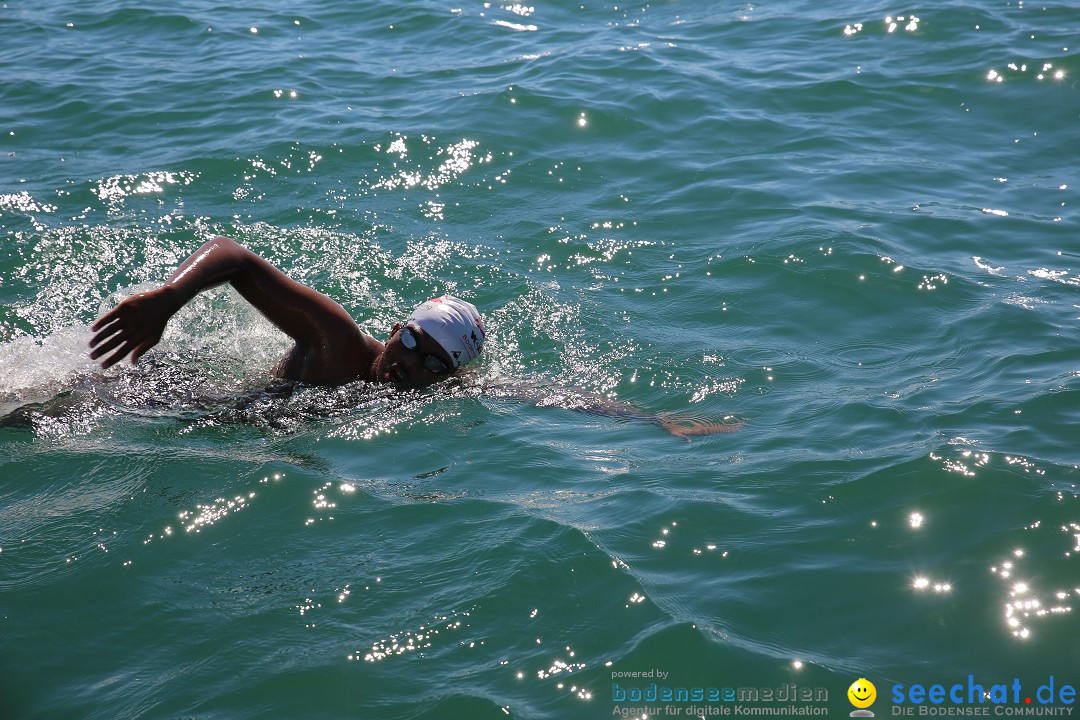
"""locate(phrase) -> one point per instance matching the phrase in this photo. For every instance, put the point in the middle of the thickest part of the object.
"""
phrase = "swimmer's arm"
(312, 319)
(680, 425)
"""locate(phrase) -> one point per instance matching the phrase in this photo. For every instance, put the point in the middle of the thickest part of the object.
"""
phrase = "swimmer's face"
(412, 367)
(862, 693)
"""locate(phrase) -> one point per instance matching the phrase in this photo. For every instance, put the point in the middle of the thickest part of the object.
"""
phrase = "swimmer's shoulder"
(343, 359)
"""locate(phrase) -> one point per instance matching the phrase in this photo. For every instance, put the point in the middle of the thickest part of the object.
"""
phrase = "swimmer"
(440, 337)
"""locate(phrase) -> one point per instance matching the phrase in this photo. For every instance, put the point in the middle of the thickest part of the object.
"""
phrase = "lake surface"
(850, 226)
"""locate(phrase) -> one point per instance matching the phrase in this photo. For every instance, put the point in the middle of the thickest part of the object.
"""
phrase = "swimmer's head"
(440, 336)
(453, 323)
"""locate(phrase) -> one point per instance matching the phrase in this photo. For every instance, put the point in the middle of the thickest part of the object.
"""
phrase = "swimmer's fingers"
(103, 335)
(107, 319)
(107, 338)
(686, 427)
(132, 327)
(109, 331)
(134, 347)
(107, 347)
(699, 427)
(118, 341)
(111, 336)
(135, 310)
(142, 348)
(122, 339)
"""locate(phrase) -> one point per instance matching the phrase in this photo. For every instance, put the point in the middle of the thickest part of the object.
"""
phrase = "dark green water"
(858, 236)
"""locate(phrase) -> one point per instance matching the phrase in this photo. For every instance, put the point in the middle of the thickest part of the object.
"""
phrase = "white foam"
(29, 364)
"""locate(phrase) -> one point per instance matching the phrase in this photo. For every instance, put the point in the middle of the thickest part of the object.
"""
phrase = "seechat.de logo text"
(976, 697)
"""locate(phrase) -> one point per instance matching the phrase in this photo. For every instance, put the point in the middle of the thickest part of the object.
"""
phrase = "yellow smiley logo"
(862, 693)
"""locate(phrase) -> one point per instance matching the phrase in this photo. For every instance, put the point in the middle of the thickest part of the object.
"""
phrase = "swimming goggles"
(431, 362)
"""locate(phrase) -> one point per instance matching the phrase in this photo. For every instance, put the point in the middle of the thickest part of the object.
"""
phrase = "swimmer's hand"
(134, 326)
(686, 426)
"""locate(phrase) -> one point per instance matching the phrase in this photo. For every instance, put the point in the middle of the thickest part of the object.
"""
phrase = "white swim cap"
(453, 323)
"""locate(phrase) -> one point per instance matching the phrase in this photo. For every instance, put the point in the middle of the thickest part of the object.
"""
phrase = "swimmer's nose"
(410, 362)
(405, 368)
(396, 374)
